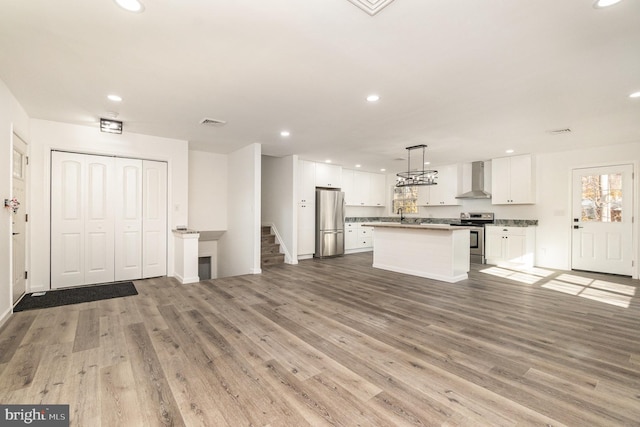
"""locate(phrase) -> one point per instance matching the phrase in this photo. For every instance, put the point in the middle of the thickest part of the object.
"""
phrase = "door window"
(602, 198)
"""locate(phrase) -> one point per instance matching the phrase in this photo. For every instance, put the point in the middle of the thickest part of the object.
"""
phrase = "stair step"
(268, 238)
(272, 248)
(265, 229)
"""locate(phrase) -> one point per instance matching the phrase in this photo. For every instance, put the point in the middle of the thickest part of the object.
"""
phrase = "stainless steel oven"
(476, 222)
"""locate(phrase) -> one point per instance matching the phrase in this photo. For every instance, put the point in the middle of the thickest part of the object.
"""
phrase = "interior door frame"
(635, 186)
(24, 204)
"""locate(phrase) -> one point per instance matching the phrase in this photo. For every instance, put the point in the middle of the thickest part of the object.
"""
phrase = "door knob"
(15, 234)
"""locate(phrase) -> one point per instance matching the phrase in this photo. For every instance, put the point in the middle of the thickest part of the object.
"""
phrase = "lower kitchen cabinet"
(358, 238)
(510, 246)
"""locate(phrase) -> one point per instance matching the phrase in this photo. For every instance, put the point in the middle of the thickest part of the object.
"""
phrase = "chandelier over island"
(417, 176)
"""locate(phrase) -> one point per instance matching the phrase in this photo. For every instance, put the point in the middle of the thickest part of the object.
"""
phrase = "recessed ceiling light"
(427, 163)
(635, 95)
(383, 170)
(599, 4)
(373, 98)
(327, 161)
(114, 98)
(130, 5)
(358, 166)
(509, 151)
(285, 133)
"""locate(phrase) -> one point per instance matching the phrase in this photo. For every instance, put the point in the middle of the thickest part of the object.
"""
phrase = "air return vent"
(559, 131)
(212, 122)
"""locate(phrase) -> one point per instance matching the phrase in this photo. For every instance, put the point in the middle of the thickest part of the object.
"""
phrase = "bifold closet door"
(128, 219)
(82, 219)
(154, 224)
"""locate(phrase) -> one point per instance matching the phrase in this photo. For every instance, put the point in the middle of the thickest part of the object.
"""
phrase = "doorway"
(602, 212)
(19, 219)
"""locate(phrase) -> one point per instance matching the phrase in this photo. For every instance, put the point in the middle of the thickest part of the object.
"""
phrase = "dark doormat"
(76, 296)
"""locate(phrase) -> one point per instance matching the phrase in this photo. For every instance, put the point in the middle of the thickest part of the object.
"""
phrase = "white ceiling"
(469, 78)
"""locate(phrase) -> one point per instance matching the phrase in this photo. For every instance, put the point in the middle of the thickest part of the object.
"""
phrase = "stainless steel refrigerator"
(329, 223)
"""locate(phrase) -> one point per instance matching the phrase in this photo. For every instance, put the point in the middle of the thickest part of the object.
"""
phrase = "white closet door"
(128, 224)
(98, 225)
(154, 226)
(81, 219)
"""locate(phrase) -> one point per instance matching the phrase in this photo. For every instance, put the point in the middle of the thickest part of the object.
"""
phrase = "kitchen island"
(434, 251)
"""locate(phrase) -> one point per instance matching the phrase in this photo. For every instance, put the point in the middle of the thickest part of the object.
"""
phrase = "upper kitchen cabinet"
(445, 191)
(378, 189)
(363, 188)
(328, 175)
(512, 180)
(306, 182)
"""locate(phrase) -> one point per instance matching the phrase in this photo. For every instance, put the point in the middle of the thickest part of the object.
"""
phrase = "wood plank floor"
(336, 342)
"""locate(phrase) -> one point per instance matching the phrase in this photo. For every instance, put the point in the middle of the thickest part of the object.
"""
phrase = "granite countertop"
(445, 221)
(415, 226)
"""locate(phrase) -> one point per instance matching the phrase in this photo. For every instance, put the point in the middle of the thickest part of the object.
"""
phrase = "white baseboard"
(4, 318)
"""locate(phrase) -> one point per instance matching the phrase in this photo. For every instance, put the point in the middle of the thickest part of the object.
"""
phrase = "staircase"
(270, 253)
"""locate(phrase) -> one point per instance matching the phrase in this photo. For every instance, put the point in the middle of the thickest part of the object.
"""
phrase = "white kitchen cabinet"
(350, 235)
(328, 175)
(444, 193)
(306, 182)
(306, 230)
(358, 238)
(509, 246)
(363, 188)
(348, 187)
(512, 180)
(378, 189)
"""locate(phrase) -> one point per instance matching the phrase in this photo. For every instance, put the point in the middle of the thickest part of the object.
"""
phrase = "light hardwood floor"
(336, 342)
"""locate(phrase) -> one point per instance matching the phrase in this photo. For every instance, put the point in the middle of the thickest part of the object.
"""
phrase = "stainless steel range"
(476, 222)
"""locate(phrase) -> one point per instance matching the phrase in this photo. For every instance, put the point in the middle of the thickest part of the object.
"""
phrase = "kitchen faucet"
(401, 216)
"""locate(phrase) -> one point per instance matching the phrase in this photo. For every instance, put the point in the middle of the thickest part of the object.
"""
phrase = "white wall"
(46, 136)
(553, 207)
(279, 201)
(239, 247)
(13, 118)
(207, 191)
(208, 185)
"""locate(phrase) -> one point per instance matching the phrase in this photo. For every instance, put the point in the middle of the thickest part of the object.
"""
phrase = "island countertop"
(415, 226)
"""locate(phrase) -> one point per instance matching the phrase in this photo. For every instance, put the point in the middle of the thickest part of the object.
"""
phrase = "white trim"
(6, 316)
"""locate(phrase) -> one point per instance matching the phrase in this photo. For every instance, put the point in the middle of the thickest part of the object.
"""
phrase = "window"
(602, 198)
(405, 198)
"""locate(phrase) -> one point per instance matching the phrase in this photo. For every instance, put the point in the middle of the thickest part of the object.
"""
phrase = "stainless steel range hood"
(477, 183)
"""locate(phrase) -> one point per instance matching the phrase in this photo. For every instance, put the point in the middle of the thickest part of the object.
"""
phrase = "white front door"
(18, 219)
(602, 219)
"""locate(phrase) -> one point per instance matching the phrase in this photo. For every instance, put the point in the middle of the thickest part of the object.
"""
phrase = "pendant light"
(416, 177)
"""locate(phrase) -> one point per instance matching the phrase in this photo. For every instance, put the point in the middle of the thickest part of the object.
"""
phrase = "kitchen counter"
(415, 226)
(433, 251)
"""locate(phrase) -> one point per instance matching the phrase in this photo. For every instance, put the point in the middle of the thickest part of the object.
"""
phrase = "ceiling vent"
(371, 6)
(559, 131)
(212, 122)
